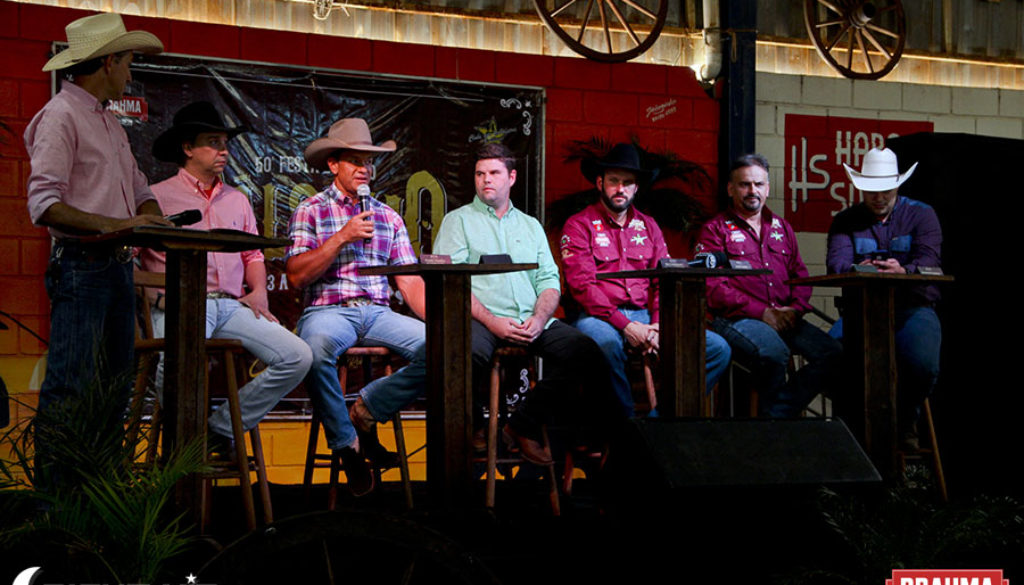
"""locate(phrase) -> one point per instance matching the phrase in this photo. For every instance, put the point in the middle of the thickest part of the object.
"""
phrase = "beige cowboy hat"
(348, 133)
(879, 171)
(100, 35)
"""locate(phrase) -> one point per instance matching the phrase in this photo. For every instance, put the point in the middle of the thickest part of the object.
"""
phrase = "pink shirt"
(226, 207)
(593, 243)
(81, 157)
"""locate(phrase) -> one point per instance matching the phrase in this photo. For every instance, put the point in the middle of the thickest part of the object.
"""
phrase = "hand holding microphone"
(363, 192)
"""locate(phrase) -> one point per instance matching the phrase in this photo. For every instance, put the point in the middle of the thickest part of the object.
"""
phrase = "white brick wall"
(989, 112)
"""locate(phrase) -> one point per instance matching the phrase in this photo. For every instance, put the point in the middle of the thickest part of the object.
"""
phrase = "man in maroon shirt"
(760, 315)
(609, 236)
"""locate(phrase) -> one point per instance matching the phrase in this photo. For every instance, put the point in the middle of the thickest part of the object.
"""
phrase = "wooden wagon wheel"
(861, 39)
(613, 31)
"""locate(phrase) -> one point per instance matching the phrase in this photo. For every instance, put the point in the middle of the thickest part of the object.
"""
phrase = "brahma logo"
(130, 107)
(947, 577)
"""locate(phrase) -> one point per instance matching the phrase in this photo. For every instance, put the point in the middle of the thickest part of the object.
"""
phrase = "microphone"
(701, 260)
(363, 192)
(710, 260)
(187, 217)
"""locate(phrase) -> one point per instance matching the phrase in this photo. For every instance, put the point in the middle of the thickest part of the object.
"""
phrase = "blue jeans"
(918, 342)
(612, 344)
(765, 352)
(92, 325)
(332, 329)
(287, 358)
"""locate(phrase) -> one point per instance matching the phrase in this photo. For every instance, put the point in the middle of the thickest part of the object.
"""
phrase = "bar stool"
(597, 457)
(494, 414)
(928, 453)
(241, 464)
(330, 460)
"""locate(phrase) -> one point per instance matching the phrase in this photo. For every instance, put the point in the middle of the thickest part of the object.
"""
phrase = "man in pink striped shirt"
(197, 142)
(84, 181)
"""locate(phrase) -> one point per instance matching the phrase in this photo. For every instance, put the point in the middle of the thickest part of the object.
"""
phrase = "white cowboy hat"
(879, 172)
(348, 133)
(100, 35)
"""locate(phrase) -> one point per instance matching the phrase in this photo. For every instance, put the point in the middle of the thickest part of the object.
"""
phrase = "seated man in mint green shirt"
(515, 308)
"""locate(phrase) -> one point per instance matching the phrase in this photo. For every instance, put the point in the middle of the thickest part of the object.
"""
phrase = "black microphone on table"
(363, 192)
(716, 259)
(187, 217)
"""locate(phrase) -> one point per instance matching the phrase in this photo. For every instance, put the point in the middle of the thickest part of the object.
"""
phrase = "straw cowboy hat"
(879, 172)
(100, 35)
(348, 133)
(621, 156)
(189, 122)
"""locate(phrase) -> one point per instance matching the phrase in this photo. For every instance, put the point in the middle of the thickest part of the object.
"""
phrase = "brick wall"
(989, 112)
(584, 99)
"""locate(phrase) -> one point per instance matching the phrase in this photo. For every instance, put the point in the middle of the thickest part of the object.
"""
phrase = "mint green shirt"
(475, 229)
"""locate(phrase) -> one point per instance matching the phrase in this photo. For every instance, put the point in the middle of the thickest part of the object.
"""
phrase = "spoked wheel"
(611, 31)
(861, 39)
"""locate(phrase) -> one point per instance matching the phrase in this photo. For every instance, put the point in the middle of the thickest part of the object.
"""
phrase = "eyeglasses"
(214, 143)
(359, 161)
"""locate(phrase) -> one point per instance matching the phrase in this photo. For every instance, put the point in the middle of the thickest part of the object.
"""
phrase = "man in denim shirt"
(895, 234)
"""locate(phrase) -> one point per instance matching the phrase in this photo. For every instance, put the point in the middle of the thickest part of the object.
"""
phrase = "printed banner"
(815, 183)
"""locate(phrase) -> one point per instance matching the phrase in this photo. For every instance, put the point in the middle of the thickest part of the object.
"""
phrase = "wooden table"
(683, 308)
(869, 310)
(184, 412)
(449, 372)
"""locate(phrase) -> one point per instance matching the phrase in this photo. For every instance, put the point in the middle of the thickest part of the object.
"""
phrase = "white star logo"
(638, 239)
(777, 236)
(191, 578)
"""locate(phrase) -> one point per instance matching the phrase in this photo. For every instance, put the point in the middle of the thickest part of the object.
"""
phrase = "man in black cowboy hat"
(334, 233)
(609, 236)
(197, 142)
(85, 181)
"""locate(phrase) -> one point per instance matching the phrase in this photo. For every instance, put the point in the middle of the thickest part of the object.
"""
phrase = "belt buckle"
(123, 254)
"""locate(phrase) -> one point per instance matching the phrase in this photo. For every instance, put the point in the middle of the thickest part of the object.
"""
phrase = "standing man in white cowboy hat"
(609, 236)
(895, 234)
(85, 181)
(761, 316)
(331, 239)
(198, 143)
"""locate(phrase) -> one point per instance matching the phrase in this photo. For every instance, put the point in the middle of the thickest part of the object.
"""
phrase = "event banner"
(437, 125)
(815, 183)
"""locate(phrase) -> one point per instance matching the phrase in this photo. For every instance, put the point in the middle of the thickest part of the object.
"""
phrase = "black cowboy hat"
(622, 156)
(190, 121)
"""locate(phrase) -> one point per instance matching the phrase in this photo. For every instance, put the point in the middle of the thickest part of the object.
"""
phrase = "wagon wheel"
(861, 39)
(613, 31)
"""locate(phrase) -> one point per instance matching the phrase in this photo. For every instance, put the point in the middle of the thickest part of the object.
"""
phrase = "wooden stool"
(329, 460)
(494, 413)
(931, 452)
(148, 348)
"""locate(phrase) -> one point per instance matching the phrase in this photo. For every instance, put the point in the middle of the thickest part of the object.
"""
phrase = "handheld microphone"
(710, 260)
(363, 192)
(187, 217)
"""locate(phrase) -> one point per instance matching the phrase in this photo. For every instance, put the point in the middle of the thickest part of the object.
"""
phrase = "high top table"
(869, 345)
(449, 372)
(184, 413)
(683, 308)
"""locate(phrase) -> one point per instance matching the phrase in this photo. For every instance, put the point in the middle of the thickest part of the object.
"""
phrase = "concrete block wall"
(989, 112)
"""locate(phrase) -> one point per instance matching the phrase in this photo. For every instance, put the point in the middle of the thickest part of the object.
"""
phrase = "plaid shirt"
(322, 216)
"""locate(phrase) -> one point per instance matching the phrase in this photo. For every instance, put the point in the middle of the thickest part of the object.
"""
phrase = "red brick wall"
(584, 99)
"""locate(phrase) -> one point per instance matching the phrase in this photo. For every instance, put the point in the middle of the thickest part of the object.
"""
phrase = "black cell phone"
(187, 217)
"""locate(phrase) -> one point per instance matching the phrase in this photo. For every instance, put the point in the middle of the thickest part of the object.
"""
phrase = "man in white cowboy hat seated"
(331, 239)
(892, 233)
(760, 315)
(198, 143)
(609, 236)
(85, 181)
